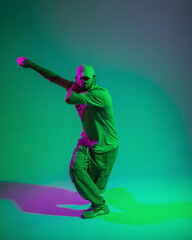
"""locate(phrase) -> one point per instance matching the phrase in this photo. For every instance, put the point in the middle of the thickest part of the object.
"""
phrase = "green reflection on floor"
(136, 213)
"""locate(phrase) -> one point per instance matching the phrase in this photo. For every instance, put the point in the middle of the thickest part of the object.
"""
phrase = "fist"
(75, 87)
(24, 62)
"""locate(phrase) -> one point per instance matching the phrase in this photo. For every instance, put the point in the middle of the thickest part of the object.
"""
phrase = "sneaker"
(92, 206)
(95, 210)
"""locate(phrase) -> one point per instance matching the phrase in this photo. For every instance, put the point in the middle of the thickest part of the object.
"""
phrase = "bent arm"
(51, 76)
(73, 96)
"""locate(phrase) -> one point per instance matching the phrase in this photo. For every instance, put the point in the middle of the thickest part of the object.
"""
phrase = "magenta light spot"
(20, 60)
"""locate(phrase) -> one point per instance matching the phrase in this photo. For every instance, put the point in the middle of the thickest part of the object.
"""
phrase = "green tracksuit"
(96, 150)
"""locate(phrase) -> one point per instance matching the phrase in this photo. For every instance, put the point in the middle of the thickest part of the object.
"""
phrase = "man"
(96, 150)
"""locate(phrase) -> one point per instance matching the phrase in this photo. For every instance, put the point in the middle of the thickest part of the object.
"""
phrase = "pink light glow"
(20, 60)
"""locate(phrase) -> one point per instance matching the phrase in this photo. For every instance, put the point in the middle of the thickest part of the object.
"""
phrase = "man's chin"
(85, 89)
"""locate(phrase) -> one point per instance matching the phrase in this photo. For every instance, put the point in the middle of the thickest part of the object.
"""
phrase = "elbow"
(67, 100)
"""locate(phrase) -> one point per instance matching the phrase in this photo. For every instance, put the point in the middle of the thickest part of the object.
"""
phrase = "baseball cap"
(85, 70)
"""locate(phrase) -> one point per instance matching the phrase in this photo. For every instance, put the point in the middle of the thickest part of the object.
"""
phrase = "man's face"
(85, 83)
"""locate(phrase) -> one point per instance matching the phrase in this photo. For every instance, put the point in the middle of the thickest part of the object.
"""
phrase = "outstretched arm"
(51, 76)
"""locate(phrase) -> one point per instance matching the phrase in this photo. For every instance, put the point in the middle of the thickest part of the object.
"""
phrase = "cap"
(86, 70)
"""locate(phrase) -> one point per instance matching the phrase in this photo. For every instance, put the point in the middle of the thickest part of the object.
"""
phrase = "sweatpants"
(90, 171)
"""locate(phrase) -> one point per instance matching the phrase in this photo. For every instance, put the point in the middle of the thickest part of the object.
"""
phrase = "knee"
(73, 172)
(75, 166)
(73, 169)
(77, 173)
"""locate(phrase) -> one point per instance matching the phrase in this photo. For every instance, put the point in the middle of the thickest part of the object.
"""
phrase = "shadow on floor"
(47, 200)
(40, 199)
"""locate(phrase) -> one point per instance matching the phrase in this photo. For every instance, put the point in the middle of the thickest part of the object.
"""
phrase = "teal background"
(141, 52)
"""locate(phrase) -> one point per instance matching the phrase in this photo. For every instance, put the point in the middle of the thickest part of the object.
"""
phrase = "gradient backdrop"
(142, 53)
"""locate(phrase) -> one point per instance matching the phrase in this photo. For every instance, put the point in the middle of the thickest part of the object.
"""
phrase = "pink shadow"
(39, 199)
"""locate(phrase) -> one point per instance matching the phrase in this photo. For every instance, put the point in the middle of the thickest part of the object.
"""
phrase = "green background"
(141, 52)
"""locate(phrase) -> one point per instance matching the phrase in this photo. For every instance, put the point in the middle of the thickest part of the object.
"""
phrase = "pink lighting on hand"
(20, 60)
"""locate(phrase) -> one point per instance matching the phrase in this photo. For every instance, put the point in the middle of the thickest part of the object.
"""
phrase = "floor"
(141, 208)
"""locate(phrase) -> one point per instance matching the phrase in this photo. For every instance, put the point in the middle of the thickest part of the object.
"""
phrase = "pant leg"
(100, 167)
(80, 177)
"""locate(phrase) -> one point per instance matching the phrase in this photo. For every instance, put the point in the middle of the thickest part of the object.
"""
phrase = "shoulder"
(99, 90)
(101, 93)
(96, 96)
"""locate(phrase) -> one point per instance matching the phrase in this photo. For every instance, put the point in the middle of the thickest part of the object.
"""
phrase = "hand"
(75, 87)
(24, 62)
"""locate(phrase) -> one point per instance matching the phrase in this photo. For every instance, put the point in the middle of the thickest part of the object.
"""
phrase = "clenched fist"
(76, 88)
(24, 62)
